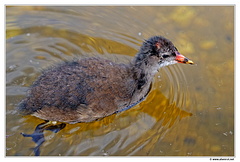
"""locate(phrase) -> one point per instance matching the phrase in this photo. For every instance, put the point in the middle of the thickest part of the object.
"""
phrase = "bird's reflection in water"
(155, 105)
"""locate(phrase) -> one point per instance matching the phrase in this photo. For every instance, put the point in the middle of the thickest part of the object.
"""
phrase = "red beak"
(182, 59)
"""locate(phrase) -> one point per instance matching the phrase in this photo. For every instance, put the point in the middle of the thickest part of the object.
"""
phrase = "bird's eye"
(165, 55)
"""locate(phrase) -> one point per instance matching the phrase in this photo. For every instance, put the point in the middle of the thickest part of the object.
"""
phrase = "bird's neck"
(142, 77)
(143, 72)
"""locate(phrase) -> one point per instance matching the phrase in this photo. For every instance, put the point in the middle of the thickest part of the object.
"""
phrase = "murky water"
(190, 109)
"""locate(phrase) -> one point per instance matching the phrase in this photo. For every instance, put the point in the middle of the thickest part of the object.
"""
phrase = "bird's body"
(91, 88)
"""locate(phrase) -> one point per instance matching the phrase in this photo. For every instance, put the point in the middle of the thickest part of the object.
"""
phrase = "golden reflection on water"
(156, 105)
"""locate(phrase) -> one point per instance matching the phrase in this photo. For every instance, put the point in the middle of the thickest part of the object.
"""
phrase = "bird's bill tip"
(182, 59)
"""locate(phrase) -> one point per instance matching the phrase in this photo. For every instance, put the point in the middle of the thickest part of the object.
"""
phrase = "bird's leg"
(38, 136)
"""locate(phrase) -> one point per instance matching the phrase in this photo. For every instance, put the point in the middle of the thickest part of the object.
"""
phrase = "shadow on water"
(160, 109)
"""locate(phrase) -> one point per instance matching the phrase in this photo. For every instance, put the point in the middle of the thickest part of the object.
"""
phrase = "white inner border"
(125, 3)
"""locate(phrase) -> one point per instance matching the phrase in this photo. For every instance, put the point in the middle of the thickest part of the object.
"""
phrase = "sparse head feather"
(156, 43)
(154, 46)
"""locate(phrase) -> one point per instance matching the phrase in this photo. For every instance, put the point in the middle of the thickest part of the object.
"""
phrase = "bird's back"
(80, 91)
